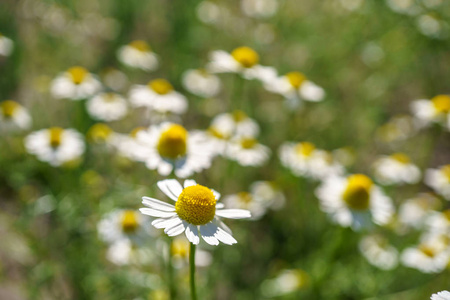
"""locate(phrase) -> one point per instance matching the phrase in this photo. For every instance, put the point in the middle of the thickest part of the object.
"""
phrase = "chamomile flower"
(268, 193)
(158, 95)
(259, 8)
(201, 83)
(170, 146)
(444, 295)
(107, 107)
(398, 128)
(236, 123)
(396, 169)
(439, 180)
(286, 282)
(414, 212)
(75, 84)
(305, 160)
(439, 223)
(124, 252)
(180, 252)
(247, 151)
(196, 213)
(138, 54)
(354, 201)
(245, 200)
(436, 110)
(13, 116)
(295, 87)
(56, 146)
(6, 45)
(379, 252)
(242, 60)
(102, 134)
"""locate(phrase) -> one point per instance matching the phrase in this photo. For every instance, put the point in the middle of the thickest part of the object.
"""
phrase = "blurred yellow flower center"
(446, 171)
(442, 103)
(427, 250)
(160, 86)
(305, 148)
(99, 132)
(129, 222)
(140, 45)
(78, 74)
(135, 131)
(55, 134)
(8, 108)
(248, 143)
(245, 197)
(216, 133)
(180, 247)
(172, 143)
(238, 116)
(296, 79)
(357, 192)
(110, 97)
(447, 214)
(401, 158)
(196, 205)
(246, 56)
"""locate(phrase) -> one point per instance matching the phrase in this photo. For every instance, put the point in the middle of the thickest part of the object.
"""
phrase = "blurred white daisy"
(378, 252)
(268, 193)
(236, 124)
(138, 54)
(398, 128)
(247, 151)
(75, 84)
(242, 60)
(127, 144)
(435, 110)
(396, 169)
(13, 116)
(444, 295)
(196, 213)
(107, 107)
(354, 201)
(158, 95)
(295, 87)
(114, 79)
(286, 282)
(125, 252)
(259, 8)
(408, 7)
(304, 159)
(56, 146)
(180, 253)
(102, 134)
(201, 83)
(6, 45)
(245, 200)
(432, 26)
(439, 180)
(439, 223)
(413, 212)
(170, 147)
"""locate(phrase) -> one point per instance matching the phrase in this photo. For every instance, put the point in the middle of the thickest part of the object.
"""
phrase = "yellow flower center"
(246, 56)
(305, 148)
(239, 116)
(245, 197)
(160, 86)
(196, 205)
(99, 132)
(172, 143)
(442, 103)
(447, 214)
(296, 79)
(427, 250)
(8, 108)
(140, 45)
(401, 158)
(55, 136)
(248, 143)
(180, 247)
(109, 97)
(78, 74)
(357, 192)
(216, 133)
(446, 171)
(129, 221)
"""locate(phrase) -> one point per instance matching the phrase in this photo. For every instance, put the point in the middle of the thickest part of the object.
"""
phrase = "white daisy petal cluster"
(107, 107)
(13, 117)
(435, 110)
(139, 55)
(195, 213)
(414, 212)
(396, 169)
(56, 146)
(75, 84)
(398, 128)
(439, 180)
(201, 83)
(6, 46)
(378, 252)
(444, 295)
(259, 8)
(286, 282)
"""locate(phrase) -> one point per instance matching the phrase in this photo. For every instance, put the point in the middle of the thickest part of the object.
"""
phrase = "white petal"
(192, 234)
(233, 213)
(189, 182)
(208, 231)
(175, 230)
(157, 213)
(220, 205)
(216, 194)
(166, 223)
(224, 237)
(171, 187)
(157, 204)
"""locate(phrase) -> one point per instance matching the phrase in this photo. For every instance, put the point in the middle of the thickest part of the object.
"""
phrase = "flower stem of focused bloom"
(192, 271)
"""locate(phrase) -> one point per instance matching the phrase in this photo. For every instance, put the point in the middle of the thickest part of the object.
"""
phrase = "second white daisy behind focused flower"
(444, 295)
(196, 213)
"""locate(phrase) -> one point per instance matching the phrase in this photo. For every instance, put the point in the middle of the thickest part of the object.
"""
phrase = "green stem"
(192, 271)
(172, 289)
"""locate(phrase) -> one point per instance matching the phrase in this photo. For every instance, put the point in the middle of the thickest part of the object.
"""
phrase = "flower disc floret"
(446, 171)
(401, 158)
(248, 143)
(296, 79)
(160, 86)
(305, 148)
(55, 134)
(129, 221)
(99, 132)
(239, 116)
(140, 45)
(441, 103)
(8, 108)
(172, 143)
(78, 74)
(357, 193)
(196, 205)
(246, 56)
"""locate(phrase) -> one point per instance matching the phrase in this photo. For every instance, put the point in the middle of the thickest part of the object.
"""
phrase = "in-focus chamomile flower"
(435, 110)
(286, 282)
(242, 60)
(259, 8)
(6, 45)
(138, 54)
(76, 83)
(247, 151)
(304, 159)
(158, 95)
(396, 169)
(56, 146)
(378, 252)
(354, 201)
(107, 107)
(414, 212)
(444, 295)
(294, 86)
(196, 213)
(170, 146)
(201, 83)
(439, 180)
(13, 116)
(180, 252)
(236, 123)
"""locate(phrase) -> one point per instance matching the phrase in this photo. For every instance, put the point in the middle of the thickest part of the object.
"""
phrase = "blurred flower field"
(136, 134)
